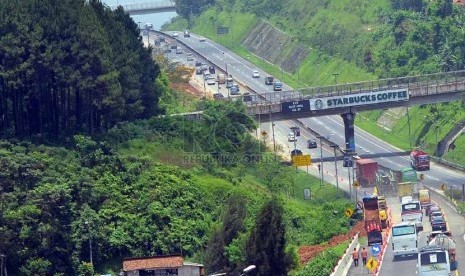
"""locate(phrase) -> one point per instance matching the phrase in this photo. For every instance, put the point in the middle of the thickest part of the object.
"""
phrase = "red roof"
(169, 261)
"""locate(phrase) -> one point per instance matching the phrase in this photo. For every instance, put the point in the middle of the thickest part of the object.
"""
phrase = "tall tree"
(267, 243)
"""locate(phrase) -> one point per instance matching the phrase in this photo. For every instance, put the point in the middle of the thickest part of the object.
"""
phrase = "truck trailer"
(372, 220)
(419, 160)
(366, 172)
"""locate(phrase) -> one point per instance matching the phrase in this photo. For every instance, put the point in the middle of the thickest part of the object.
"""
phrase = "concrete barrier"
(344, 263)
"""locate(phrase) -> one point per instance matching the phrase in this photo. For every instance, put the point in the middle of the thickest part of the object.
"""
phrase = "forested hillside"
(71, 66)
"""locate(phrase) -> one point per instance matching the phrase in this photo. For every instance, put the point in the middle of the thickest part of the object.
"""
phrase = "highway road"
(333, 129)
(330, 126)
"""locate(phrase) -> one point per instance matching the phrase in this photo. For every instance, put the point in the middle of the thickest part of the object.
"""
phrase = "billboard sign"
(295, 107)
(358, 99)
(223, 30)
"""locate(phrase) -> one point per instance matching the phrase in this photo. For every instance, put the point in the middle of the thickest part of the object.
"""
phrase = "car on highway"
(296, 152)
(277, 86)
(206, 75)
(179, 50)
(311, 144)
(229, 82)
(198, 63)
(202, 39)
(432, 208)
(291, 137)
(211, 80)
(435, 214)
(198, 71)
(187, 33)
(438, 224)
(255, 74)
(190, 58)
(175, 34)
(269, 80)
(234, 90)
(204, 67)
(296, 130)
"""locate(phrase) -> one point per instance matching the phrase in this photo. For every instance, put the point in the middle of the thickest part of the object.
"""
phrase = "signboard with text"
(223, 30)
(395, 95)
(301, 160)
(295, 107)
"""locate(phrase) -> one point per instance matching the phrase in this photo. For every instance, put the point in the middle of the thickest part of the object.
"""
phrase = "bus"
(404, 239)
(433, 261)
(411, 211)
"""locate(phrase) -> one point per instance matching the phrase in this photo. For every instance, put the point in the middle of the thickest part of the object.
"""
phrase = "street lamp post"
(90, 243)
(274, 141)
(321, 160)
(225, 64)
(334, 146)
(409, 135)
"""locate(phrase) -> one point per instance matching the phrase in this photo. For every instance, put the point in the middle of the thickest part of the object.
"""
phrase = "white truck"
(411, 211)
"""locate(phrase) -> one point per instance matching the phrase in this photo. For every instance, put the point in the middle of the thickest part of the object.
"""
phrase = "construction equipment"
(383, 212)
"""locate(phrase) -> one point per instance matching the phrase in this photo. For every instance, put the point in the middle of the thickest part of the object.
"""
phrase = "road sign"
(264, 133)
(301, 160)
(307, 194)
(349, 212)
(223, 30)
(356, 184)
(295, 107)
(359, 205)
(375, 249)
(372, 264)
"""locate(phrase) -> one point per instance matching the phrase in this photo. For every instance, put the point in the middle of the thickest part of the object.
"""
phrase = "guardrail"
(344, 263)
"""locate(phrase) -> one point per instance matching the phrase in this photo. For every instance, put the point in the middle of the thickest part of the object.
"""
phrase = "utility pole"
(321, 160)
(334, 146)
(335, 77)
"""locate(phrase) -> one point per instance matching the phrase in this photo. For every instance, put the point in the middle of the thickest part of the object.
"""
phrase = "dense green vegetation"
(359, 41)
(72, 66)
(154, 187)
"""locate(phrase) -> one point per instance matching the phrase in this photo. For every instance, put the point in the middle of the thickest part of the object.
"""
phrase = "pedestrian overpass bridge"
(348, 99)
(144, 7)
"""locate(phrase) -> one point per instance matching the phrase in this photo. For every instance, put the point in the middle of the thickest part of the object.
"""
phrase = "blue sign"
(375, 249)
(296, 107)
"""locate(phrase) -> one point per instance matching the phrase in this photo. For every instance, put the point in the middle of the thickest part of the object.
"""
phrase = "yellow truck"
(424, 198)
(404, 189)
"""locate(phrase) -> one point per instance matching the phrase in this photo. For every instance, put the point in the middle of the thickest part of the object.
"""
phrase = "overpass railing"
(417, 85)
(146, 5)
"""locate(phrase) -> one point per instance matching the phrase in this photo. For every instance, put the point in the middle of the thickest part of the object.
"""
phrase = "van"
(229, 82)
(277, 86)
(221, 78)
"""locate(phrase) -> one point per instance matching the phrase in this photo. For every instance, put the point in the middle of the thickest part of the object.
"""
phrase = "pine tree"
(267, 242)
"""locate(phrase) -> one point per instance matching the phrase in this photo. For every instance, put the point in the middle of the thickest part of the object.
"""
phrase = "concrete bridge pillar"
(349, 132)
